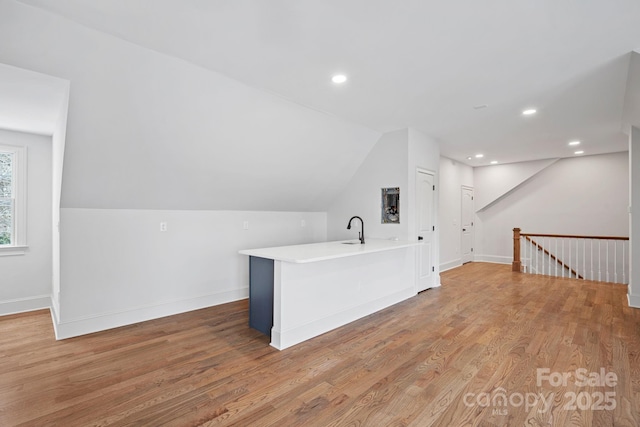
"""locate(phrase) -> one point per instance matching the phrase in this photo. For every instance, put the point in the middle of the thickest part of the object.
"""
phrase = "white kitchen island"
(299, 292)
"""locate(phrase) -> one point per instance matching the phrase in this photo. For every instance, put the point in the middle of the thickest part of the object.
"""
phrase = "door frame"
(435, 241)
(473, 232)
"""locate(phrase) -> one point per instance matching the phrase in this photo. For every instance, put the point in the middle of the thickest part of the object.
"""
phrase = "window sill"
(13, 250)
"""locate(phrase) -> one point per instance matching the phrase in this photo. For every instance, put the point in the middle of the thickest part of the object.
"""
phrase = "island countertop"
(313, 252)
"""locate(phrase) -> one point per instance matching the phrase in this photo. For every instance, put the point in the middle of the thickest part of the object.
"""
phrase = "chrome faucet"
(360, 233)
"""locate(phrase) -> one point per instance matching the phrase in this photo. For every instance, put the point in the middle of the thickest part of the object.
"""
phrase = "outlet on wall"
(163, 226)
(303, 223)
(245, 225)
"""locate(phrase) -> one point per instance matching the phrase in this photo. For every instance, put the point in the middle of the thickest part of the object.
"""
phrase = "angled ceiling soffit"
(631, 111)
(502, 186)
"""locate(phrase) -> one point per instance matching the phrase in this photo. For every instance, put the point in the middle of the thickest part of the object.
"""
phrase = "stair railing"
(599, 258)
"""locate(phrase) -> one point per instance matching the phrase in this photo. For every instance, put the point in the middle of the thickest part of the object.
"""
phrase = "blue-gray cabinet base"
(261, 294)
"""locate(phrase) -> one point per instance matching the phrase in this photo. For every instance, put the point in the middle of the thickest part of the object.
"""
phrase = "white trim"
(450, 264)
(55, 316)
(473, 227)
(13, 250)
(495, 259)
(22, 305)
(434, 241)
(100, 322)
(634, 301)
(438, 283)
(20, 195)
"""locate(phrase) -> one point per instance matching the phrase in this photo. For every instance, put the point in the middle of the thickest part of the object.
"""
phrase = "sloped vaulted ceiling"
(150, 131)
(228, 105)
(423, 64)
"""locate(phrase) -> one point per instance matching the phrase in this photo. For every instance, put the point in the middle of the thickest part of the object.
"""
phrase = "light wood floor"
(443, 358)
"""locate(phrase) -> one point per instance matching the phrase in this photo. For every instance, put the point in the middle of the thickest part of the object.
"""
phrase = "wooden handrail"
(552, 256)
(572, 236)
(517, 234)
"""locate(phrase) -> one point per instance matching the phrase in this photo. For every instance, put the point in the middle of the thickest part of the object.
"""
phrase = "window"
(12, 198)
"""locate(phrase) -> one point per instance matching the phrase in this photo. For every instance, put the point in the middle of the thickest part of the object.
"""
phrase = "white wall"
(150, 131)
(121, 269)
(159, 136)
(424, 153)
(58, 141)
(26, 279)
(385, 166)
(582, 195)
(634, 217)
(391, 163)
(496, 181)
(631, 111)
(453, 176)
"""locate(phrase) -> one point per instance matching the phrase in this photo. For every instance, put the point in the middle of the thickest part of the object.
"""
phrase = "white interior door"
(467, 225)
(425, 190)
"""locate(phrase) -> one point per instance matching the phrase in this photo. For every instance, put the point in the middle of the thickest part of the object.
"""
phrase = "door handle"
(464, 229)
(420, 238)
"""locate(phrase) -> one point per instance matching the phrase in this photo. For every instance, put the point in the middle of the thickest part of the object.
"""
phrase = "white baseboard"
(634, 300)
(450, 264)
(55, 316)
(21, 305)
(55, 310)
(87, 325)
(496, 259)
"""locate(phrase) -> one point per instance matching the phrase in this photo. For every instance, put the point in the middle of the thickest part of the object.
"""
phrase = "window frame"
(18, 244)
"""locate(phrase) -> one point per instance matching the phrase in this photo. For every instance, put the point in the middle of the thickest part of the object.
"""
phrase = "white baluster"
(548, 258)
(541, 252)
(545, 244)
(556, 252)
(551, 261)
(542, 255)
(570, 258)
(577, 269)
(523, 250)
(530, 257)
(540, 259)
(591, 247)
(574, 262)
(607, 270)
(599, 261)
(537, 267)
(584, 259)
(563, 258)
(615, 261)
(523, 245)
(527, 249)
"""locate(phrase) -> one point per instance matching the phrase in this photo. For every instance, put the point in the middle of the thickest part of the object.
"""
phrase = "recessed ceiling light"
(494, 162)
(579, 152)
(529, 112)
(479, 156)
(339, 78)
(574, 143)
(469, 158)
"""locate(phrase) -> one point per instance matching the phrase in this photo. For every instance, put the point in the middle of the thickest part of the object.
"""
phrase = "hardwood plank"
(421, 362)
